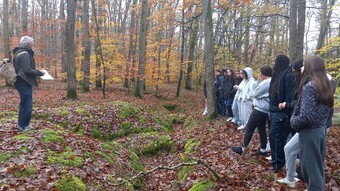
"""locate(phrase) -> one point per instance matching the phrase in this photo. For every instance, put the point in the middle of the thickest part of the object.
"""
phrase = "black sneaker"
(261, 153)
(237, 150)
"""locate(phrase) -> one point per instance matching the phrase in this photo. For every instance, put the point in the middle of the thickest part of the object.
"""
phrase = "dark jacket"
(307, 113)
(284, 92)
(25, 65)
(228, 88)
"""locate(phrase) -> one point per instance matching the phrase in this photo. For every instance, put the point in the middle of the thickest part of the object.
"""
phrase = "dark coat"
(25, 65)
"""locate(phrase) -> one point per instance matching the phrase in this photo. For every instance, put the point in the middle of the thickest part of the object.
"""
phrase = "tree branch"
(161, 167)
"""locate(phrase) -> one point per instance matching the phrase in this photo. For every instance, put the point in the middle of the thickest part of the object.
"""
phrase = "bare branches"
(162, 167)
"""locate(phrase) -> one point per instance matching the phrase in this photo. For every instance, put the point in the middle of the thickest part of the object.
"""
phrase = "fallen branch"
(161, 167)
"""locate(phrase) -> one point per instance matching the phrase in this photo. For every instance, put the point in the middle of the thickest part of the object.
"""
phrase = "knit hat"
(266, 70)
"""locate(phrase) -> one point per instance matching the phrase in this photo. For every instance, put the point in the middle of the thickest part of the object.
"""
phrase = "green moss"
(191, 145)
(142, 119)
(202, 186)
(170, 107)
(22, 150)
(177, 118)
(109, 157)
(188, 121)
(22, 137)
(88, 155)
(67, 158)
(82, 111)
(79, 129)
(126, 109)
(64, 112)
(161, 144)
(64, 124)
(27, 172)
(50, 135)
(135, 162)
(125, 125)
(183, 173)
(4, 157)
(95, 132)
(107, 146)
(40, 115)
(72, 183)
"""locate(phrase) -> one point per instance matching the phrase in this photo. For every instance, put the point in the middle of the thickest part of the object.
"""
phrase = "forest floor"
(124, 143)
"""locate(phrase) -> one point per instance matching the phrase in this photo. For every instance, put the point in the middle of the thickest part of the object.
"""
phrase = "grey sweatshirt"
(261, 95)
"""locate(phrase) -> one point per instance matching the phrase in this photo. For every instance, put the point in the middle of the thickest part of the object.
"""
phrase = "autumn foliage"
(94, 144)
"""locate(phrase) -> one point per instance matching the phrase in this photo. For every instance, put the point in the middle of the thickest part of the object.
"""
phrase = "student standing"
(26, 78)
(292, 148)
(259, 116)
(309, 118)
(281, 90)
(244, 98)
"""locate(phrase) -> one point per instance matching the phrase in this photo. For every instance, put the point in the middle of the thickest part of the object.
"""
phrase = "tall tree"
(132, 46)
(182, 55)
(24, 16)
(63, 36)
(139, 91)
(326, 15)
(297, 12)
(5, 30)
(87, 46)
(70, 49)
(209, 58)
(192, 46)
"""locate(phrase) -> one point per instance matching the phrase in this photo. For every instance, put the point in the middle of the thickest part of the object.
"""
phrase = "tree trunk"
(70, 49)
(132, 47)
(63, 37)
(324, 25)
(24, 16)
(139, 91)
(182, 57)
(192, 46)
(5, 30)
(209, 58)
(296, 28)
(87, 47)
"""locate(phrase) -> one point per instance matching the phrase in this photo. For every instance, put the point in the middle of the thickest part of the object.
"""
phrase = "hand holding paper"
(46, 76)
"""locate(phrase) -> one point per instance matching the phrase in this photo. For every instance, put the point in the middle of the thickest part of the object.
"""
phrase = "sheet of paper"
(46, 76)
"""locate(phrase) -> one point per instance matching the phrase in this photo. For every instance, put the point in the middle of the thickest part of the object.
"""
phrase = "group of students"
(295, 100)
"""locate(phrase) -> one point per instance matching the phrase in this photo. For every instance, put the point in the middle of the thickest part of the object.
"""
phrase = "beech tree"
(70, 49)
(209, 57)
(139, 90)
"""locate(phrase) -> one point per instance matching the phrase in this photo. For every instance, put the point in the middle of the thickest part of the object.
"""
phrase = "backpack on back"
(7, 69)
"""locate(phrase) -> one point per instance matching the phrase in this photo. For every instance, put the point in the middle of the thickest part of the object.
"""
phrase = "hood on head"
(249, 72)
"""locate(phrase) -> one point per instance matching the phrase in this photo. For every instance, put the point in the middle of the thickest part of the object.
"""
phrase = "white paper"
(46, 76)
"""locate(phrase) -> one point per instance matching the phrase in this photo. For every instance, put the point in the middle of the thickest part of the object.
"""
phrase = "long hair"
(281, 63)
(232, 76)
(315, 71)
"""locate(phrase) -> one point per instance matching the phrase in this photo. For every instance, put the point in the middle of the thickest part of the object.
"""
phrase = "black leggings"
(257, 119)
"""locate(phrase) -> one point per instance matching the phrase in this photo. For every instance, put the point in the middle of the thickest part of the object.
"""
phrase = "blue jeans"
(26, 102)
(278, 133)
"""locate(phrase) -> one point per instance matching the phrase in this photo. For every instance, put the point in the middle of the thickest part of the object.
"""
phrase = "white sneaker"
(241, 127)
(269, 158)
(229, 119)
(268, 148)
(291, 184)
(205, 112)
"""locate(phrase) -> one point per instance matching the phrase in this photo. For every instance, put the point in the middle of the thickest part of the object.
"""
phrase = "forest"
(124, 109)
